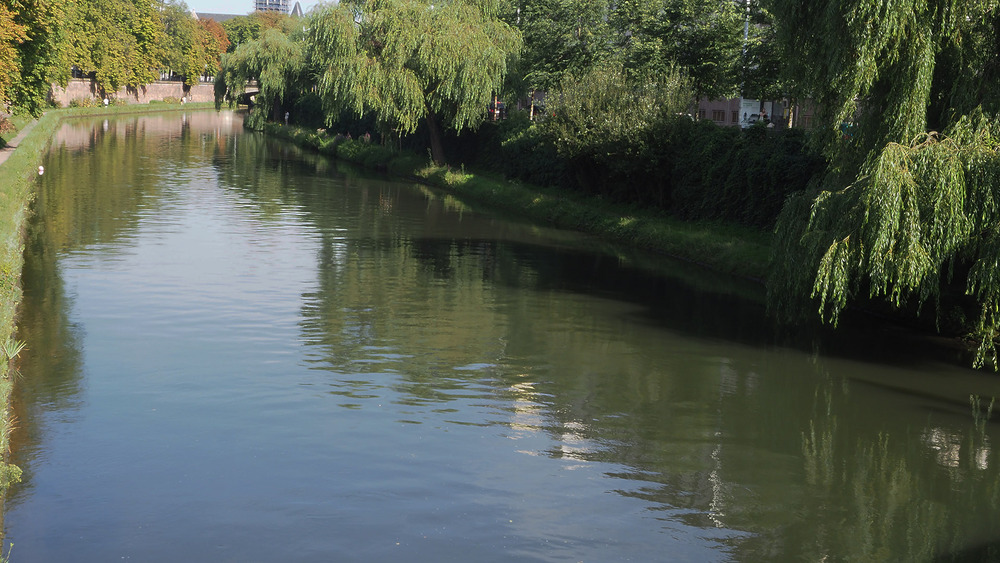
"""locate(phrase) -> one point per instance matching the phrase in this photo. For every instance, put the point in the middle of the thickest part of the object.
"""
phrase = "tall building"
(271, 6)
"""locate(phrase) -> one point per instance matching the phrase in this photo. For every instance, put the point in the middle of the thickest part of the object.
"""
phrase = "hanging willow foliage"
(410, 61)
(916, 215)
(275, 61)
(919, 211)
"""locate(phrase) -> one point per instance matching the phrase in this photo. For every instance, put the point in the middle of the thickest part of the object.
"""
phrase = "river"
(240, 351)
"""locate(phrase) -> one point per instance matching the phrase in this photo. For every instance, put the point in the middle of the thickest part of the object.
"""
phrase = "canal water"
(238, 351)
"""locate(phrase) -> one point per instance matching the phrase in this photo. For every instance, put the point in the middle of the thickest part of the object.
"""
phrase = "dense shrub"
(696, 170)
(83, 103)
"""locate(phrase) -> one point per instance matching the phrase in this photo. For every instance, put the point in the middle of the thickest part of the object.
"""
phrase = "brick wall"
(84, 88)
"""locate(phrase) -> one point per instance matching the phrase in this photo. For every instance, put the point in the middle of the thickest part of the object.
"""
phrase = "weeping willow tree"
(410, 61)
(908, 211)
(275, 62)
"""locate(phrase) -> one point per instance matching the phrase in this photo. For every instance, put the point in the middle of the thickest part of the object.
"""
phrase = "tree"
(215, 42)
(182, 48)
(12, 34)
(42, 55)
(120, 41)
(602, 121)
(243, 29)
(409, 61)
(764, 76)
(704, 37)
(905, 213)
(276, 62)
(561, 38)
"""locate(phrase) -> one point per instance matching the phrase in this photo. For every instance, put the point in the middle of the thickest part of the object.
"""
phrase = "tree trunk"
(437, 150)
(276, 111)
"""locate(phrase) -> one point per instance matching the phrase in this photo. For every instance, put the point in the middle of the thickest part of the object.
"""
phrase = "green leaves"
(914, 213)
(277, 63)
(919, 218)
(119, 40)
(12, 34)
(409, 61)
(704, 37)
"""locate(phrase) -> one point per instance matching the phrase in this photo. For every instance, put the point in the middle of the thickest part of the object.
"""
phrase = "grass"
(18, 121)
(734, 250)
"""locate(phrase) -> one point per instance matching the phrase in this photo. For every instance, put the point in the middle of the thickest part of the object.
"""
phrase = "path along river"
(242, 352)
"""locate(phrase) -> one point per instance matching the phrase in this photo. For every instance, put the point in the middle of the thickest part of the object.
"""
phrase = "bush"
(83, 103)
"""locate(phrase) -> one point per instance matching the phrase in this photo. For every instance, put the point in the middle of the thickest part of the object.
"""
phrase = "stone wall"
(84, 88)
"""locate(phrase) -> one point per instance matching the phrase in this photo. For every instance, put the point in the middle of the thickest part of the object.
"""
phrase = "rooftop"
(219, 18)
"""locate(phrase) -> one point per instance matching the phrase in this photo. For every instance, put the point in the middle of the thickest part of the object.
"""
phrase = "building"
(271, 6)
(782, 114)
(219, 18)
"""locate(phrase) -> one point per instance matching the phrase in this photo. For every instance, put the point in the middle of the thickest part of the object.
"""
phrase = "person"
(106, 102)
(286, 118)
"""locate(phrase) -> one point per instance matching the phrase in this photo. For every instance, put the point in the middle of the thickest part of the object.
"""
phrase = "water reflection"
(470, 383)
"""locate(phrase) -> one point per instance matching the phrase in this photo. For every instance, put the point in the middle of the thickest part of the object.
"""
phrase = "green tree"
(705, 37)
(12, 34)
(410, 61)
(561, 38)
(182, 48)
(601, 122)
(243, 29)
(120, 41)
(908, 210)
(191, 46)
(276, 62)
(42, 56)
(764, 75)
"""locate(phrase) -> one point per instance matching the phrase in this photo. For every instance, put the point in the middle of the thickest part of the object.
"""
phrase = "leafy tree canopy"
(277, 64)
(407, 61)
(906, 213)
(561, 38)
(42, 56)
(242, 29)
(704, 37)
(119, 40)
(12, 34)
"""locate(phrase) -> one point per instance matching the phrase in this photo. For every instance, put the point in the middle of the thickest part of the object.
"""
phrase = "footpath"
(9, 149)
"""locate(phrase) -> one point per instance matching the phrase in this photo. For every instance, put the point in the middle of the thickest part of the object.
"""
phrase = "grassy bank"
(731, 249)
(17, 176)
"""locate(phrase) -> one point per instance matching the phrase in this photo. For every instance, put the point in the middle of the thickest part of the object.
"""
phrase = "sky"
(237, 6)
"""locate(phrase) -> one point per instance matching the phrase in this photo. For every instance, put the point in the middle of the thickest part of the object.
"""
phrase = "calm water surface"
(240, 352)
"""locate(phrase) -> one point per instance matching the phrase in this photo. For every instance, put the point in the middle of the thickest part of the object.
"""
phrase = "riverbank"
(20, 159)
(739, 251)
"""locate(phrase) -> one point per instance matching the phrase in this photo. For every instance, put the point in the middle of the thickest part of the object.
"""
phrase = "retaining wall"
(83, 88)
